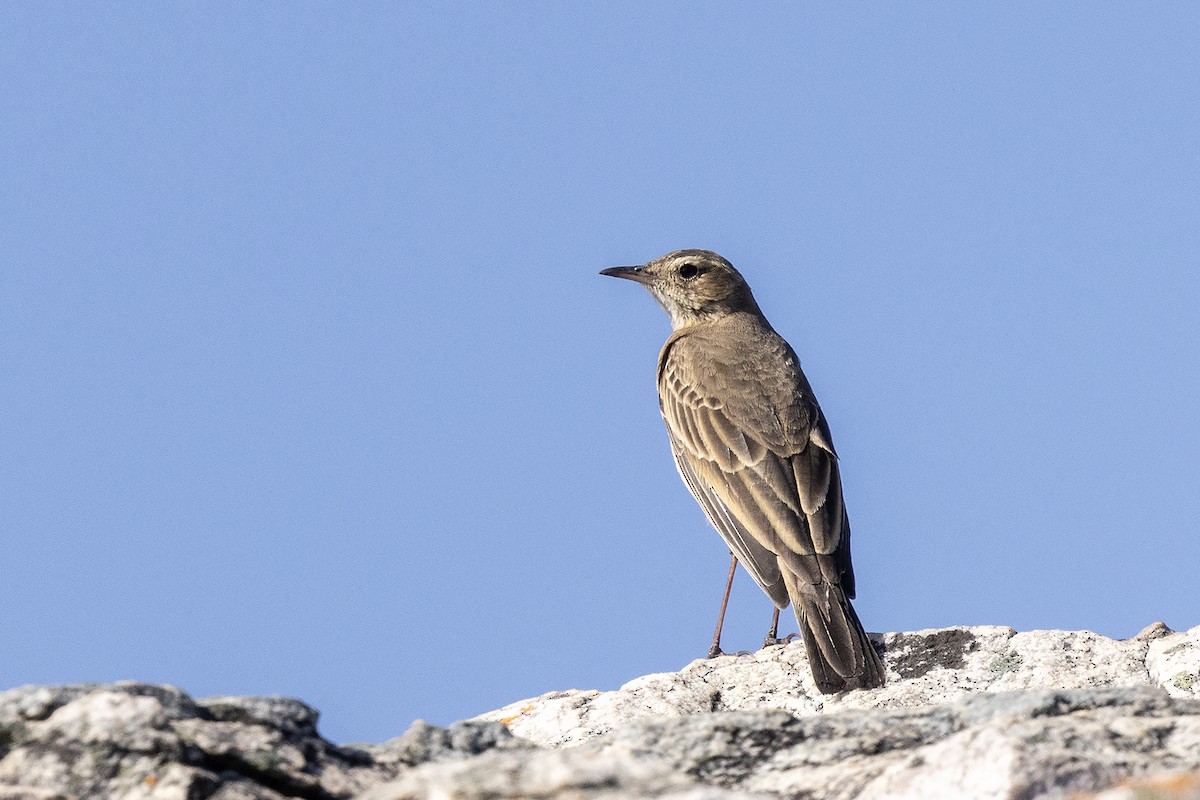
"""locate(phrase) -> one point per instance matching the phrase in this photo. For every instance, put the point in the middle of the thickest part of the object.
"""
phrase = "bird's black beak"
(630, 273)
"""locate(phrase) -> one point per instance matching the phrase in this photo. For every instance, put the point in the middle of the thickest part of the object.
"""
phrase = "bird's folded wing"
(762, 564)
(758, 481)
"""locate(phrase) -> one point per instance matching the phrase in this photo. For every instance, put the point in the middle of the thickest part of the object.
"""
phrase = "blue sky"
(311, 386)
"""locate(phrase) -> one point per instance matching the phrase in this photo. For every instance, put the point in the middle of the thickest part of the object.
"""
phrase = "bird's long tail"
(839, 652)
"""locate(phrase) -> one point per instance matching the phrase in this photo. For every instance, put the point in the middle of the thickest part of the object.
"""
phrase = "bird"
(754, 449)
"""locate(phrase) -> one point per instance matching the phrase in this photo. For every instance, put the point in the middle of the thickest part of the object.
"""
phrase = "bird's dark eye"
(688, 271)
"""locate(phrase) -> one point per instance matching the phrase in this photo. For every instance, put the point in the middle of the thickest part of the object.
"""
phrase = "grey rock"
(423, 742)
(924, 668)
(1019, 744)
(136, 741)
(981, 712)
(133, 740)
(1038, 744)
(537, 774)
(290, 716)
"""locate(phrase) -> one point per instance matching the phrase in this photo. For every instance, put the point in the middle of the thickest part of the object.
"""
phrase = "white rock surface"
(981, 712)
(924, 667)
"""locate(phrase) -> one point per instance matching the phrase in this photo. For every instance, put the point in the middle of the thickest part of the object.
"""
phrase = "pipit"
(754, 448)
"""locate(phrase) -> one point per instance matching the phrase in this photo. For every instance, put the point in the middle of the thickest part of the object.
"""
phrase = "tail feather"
(839, 652)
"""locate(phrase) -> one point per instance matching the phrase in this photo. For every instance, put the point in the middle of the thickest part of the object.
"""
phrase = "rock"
(1168, 787)
(139, 741)
(1047, 743)
(1155, 630)
(1013, 744)
(538, 774)
(982, 712)
(924, 667)
(1174, 663)
(423, 742)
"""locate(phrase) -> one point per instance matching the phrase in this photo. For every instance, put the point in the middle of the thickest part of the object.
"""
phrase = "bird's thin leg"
(714, 649)
(772, 635)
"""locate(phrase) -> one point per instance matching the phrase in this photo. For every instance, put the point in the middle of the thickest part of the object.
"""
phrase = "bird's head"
(692, 285)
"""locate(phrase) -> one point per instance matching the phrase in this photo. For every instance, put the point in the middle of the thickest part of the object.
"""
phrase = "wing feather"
(761, 563)
(760, 462)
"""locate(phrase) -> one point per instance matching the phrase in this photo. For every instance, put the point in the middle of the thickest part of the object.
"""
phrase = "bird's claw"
(772, 641)
(715, 651)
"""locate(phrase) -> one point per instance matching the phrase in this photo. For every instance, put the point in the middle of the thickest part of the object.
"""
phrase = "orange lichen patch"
(1176, 787)
(151, 780)
(1182, 786)
(525, 710)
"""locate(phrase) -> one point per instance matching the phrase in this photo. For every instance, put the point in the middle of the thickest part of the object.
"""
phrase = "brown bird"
(754, 448)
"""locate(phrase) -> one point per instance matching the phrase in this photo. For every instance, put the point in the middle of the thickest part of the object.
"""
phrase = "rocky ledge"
(980, 712)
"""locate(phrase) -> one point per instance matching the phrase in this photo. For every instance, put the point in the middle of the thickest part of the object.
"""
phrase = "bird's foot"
(772, 641)
(716, 651)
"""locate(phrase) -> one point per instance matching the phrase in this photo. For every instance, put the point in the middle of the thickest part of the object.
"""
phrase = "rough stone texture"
(968, 713)
(924, 667)
(1019, 744)
(1174, 663)
(573, 774)
(142, 742)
